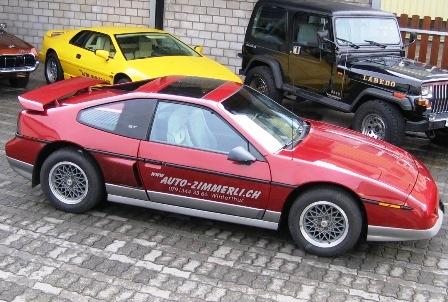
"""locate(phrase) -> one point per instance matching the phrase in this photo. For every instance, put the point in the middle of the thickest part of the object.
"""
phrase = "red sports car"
(223, 151)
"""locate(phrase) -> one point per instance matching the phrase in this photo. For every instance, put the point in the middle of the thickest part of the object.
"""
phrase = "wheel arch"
(315, 186)
(51, 148)
(371, 94)
(268, 62)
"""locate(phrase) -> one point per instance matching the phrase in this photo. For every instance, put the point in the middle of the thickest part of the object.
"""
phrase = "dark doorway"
(160, 8)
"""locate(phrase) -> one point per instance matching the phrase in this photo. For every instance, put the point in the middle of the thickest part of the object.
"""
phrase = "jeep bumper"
(425, 125)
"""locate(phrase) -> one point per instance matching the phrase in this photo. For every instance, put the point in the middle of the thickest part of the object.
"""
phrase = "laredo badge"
(376, 80)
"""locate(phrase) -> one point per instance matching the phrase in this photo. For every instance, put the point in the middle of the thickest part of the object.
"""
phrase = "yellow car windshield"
(149, 45)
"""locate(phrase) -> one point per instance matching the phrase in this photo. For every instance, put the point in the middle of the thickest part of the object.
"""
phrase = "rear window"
(270, 25)
(128, 118)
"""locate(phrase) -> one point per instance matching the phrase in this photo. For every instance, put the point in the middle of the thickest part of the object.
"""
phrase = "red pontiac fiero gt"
(223, 151)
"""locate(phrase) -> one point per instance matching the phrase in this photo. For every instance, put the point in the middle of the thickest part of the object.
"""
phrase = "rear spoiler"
(39, 98)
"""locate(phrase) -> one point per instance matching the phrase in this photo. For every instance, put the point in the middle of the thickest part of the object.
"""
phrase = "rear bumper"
(379, 233)
(22, 168)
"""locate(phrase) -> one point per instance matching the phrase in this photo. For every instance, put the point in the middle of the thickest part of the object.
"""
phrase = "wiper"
(351, 44)
(376, 43)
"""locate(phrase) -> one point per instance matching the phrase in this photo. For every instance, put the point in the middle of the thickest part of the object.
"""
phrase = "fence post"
(424, 40)
(445, 52)
(403, 21)
(414, 24)
(435, 42)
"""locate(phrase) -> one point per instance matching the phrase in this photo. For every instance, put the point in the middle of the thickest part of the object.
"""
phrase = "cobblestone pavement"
(123, 253)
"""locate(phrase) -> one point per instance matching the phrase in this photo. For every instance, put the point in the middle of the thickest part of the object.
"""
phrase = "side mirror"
(241, 156)
(3, 26)
(102, 54)
(412, 39)
(199, 49)
(322, 38)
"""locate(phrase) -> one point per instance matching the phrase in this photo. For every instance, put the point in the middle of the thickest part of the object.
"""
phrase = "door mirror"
(3, 26)
(324, 41)
(322, 35)
(199, 49)
(412, 39)
(241, 155)
(102, 54)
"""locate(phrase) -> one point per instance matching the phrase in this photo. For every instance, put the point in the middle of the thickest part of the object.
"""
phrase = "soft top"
(329, 7)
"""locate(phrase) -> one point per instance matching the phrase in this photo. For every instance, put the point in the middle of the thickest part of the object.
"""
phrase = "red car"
(17, 59)
(223, 151)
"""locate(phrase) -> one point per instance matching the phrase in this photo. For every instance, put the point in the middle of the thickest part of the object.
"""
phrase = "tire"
(439, 137)
(380, 120)
(19, 82)
(261, 79)
(345, 208)
(123, 79)
(56, 166)
(53, 69)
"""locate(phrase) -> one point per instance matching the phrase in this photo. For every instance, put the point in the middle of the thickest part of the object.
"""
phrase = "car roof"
(123, 29)
(328, 7)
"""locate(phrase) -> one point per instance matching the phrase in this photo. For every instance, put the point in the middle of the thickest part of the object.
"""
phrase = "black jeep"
(349, 58)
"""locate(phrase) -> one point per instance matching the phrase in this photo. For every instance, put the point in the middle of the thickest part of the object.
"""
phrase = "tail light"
(18, 122)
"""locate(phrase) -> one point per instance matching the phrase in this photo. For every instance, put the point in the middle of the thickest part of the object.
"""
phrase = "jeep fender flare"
(272, 64)
(374, 93)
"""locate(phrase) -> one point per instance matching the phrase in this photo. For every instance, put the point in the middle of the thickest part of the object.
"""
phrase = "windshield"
(149, 45)
(360, 30)
(272, 125)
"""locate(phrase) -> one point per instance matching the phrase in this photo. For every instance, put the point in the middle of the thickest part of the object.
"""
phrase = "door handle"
(78, 56)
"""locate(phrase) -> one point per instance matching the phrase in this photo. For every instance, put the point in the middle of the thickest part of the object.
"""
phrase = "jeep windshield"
(366, 31)
(148, 45)
(272, 125)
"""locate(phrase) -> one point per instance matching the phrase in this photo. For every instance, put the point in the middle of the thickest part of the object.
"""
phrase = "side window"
(129, 118)
(270, 25)
(194, 127)
(80, 38)
(306, 27)
(99, 41)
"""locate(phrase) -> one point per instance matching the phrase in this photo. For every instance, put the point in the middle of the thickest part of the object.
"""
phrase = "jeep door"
(185, 163)
(309, 66)
(266, 38)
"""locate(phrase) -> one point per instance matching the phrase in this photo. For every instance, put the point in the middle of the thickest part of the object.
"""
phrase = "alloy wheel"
(68, 182)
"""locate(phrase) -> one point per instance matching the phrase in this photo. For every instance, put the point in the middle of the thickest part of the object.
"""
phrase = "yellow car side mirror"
(102, 54)
(199, 49)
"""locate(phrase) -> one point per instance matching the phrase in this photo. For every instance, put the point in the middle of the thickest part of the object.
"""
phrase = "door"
(184, 163)
(87, 63)
(309, 66)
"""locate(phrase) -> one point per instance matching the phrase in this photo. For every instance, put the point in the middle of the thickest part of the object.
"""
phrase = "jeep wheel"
(325, 221)
(261, 79)
(439, 136)
(380, 120)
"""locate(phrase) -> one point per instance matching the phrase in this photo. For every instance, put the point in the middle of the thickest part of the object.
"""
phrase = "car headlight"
(427, 91)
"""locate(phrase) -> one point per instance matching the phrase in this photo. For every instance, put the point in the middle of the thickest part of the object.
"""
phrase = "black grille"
(17, 61)
(440, 98)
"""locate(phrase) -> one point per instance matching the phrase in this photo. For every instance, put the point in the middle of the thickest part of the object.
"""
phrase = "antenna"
(292, 122)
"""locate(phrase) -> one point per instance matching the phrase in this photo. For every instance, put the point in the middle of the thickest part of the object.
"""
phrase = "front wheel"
(380, 120)
(325, 221)
(71, 181)
(261, 79)
(20, 82)
(439, 136)
(53, 69)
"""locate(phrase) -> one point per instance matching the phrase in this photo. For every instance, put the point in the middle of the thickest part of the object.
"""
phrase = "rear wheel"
(123, 79)
(380, 120)
(261, 79)
(53, 68)
(20, 82)
(325, 221)
(71, 181)
(439, 136)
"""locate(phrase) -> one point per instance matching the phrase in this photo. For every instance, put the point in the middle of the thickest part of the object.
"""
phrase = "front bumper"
(379, 233)
(19, 69)
(22, 168)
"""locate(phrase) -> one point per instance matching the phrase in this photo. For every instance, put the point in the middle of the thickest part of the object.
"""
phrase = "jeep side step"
(308, 95)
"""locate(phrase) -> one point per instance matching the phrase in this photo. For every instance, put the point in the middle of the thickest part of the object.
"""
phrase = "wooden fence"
(432, 45)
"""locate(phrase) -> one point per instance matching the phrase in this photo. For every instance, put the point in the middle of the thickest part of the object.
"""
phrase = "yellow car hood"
(176, 65)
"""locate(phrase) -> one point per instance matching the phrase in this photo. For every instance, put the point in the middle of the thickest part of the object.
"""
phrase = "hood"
(10, 44)
(358, 154)
(397, 69)
(180, 65)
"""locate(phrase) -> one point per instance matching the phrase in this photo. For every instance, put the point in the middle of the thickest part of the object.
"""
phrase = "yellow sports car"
(123, 54)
